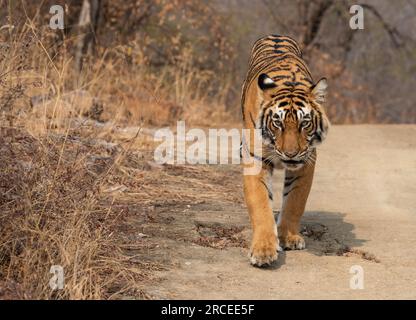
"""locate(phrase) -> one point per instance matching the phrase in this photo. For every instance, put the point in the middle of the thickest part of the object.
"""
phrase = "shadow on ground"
(327, 234)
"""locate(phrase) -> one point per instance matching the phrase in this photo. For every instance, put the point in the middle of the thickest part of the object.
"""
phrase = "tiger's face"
(293, 122)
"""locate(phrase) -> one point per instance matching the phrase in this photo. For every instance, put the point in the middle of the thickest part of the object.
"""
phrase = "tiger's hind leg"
(295, 193)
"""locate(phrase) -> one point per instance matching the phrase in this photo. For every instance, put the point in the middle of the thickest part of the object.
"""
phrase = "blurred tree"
(371, 72)
(87, 28)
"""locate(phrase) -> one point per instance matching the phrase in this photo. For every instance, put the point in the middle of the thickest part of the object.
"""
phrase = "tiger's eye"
(277, 123)
(304, 123)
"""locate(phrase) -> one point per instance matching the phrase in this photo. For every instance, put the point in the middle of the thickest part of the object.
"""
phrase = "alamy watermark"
(57, 281)
(57, 19)
(357, 280)
(212, 146)
(357, 20)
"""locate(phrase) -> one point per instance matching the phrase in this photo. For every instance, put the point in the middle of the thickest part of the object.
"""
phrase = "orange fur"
(280, 98)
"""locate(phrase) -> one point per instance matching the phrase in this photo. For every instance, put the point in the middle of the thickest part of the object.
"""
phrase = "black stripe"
(263, 123)
(293, 84)
(290, 180)
(288, 40)
(276, 78)
(252, 120)
(268, 191)
(300, 97)
(307, 80)
(293, 76)
(287, 193)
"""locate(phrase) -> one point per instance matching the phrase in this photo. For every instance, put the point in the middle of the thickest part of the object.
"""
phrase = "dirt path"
(361, 211)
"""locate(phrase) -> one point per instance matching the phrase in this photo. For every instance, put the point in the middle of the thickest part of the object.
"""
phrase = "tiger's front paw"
(263, 250)
(293, 242)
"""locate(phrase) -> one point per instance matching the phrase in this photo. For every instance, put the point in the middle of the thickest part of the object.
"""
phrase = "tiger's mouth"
(293, 164)
(293, 161)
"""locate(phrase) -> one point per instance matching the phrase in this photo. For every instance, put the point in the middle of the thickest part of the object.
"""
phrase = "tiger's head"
(293, 121)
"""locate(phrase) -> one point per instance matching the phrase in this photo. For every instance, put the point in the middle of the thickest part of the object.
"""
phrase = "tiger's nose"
(291, 153)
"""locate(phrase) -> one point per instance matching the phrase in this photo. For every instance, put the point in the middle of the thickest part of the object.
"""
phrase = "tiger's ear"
(265, 82)
(319, 90)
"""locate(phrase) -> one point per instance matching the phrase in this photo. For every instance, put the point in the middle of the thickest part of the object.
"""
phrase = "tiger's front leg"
(258, 194)
(295, 194)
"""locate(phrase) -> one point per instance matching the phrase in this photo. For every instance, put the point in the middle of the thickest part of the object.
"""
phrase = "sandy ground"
(361, 212)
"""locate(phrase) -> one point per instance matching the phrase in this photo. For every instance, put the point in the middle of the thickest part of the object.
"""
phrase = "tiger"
(280, 99)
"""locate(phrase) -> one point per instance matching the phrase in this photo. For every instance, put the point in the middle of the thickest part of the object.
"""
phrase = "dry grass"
(66, 199)
(56, 210)
(71, 171)
(55, 174)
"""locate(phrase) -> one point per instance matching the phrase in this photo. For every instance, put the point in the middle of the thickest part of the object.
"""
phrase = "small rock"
(154, 165)
(118, 188)
(142, 235)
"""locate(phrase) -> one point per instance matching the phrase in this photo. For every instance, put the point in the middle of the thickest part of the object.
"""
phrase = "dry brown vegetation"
(71, 172)
(75, 149)
(71, 169)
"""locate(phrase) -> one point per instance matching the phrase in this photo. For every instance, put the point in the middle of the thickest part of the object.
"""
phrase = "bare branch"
(276, 20)
(316, 18)
(393, 33)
